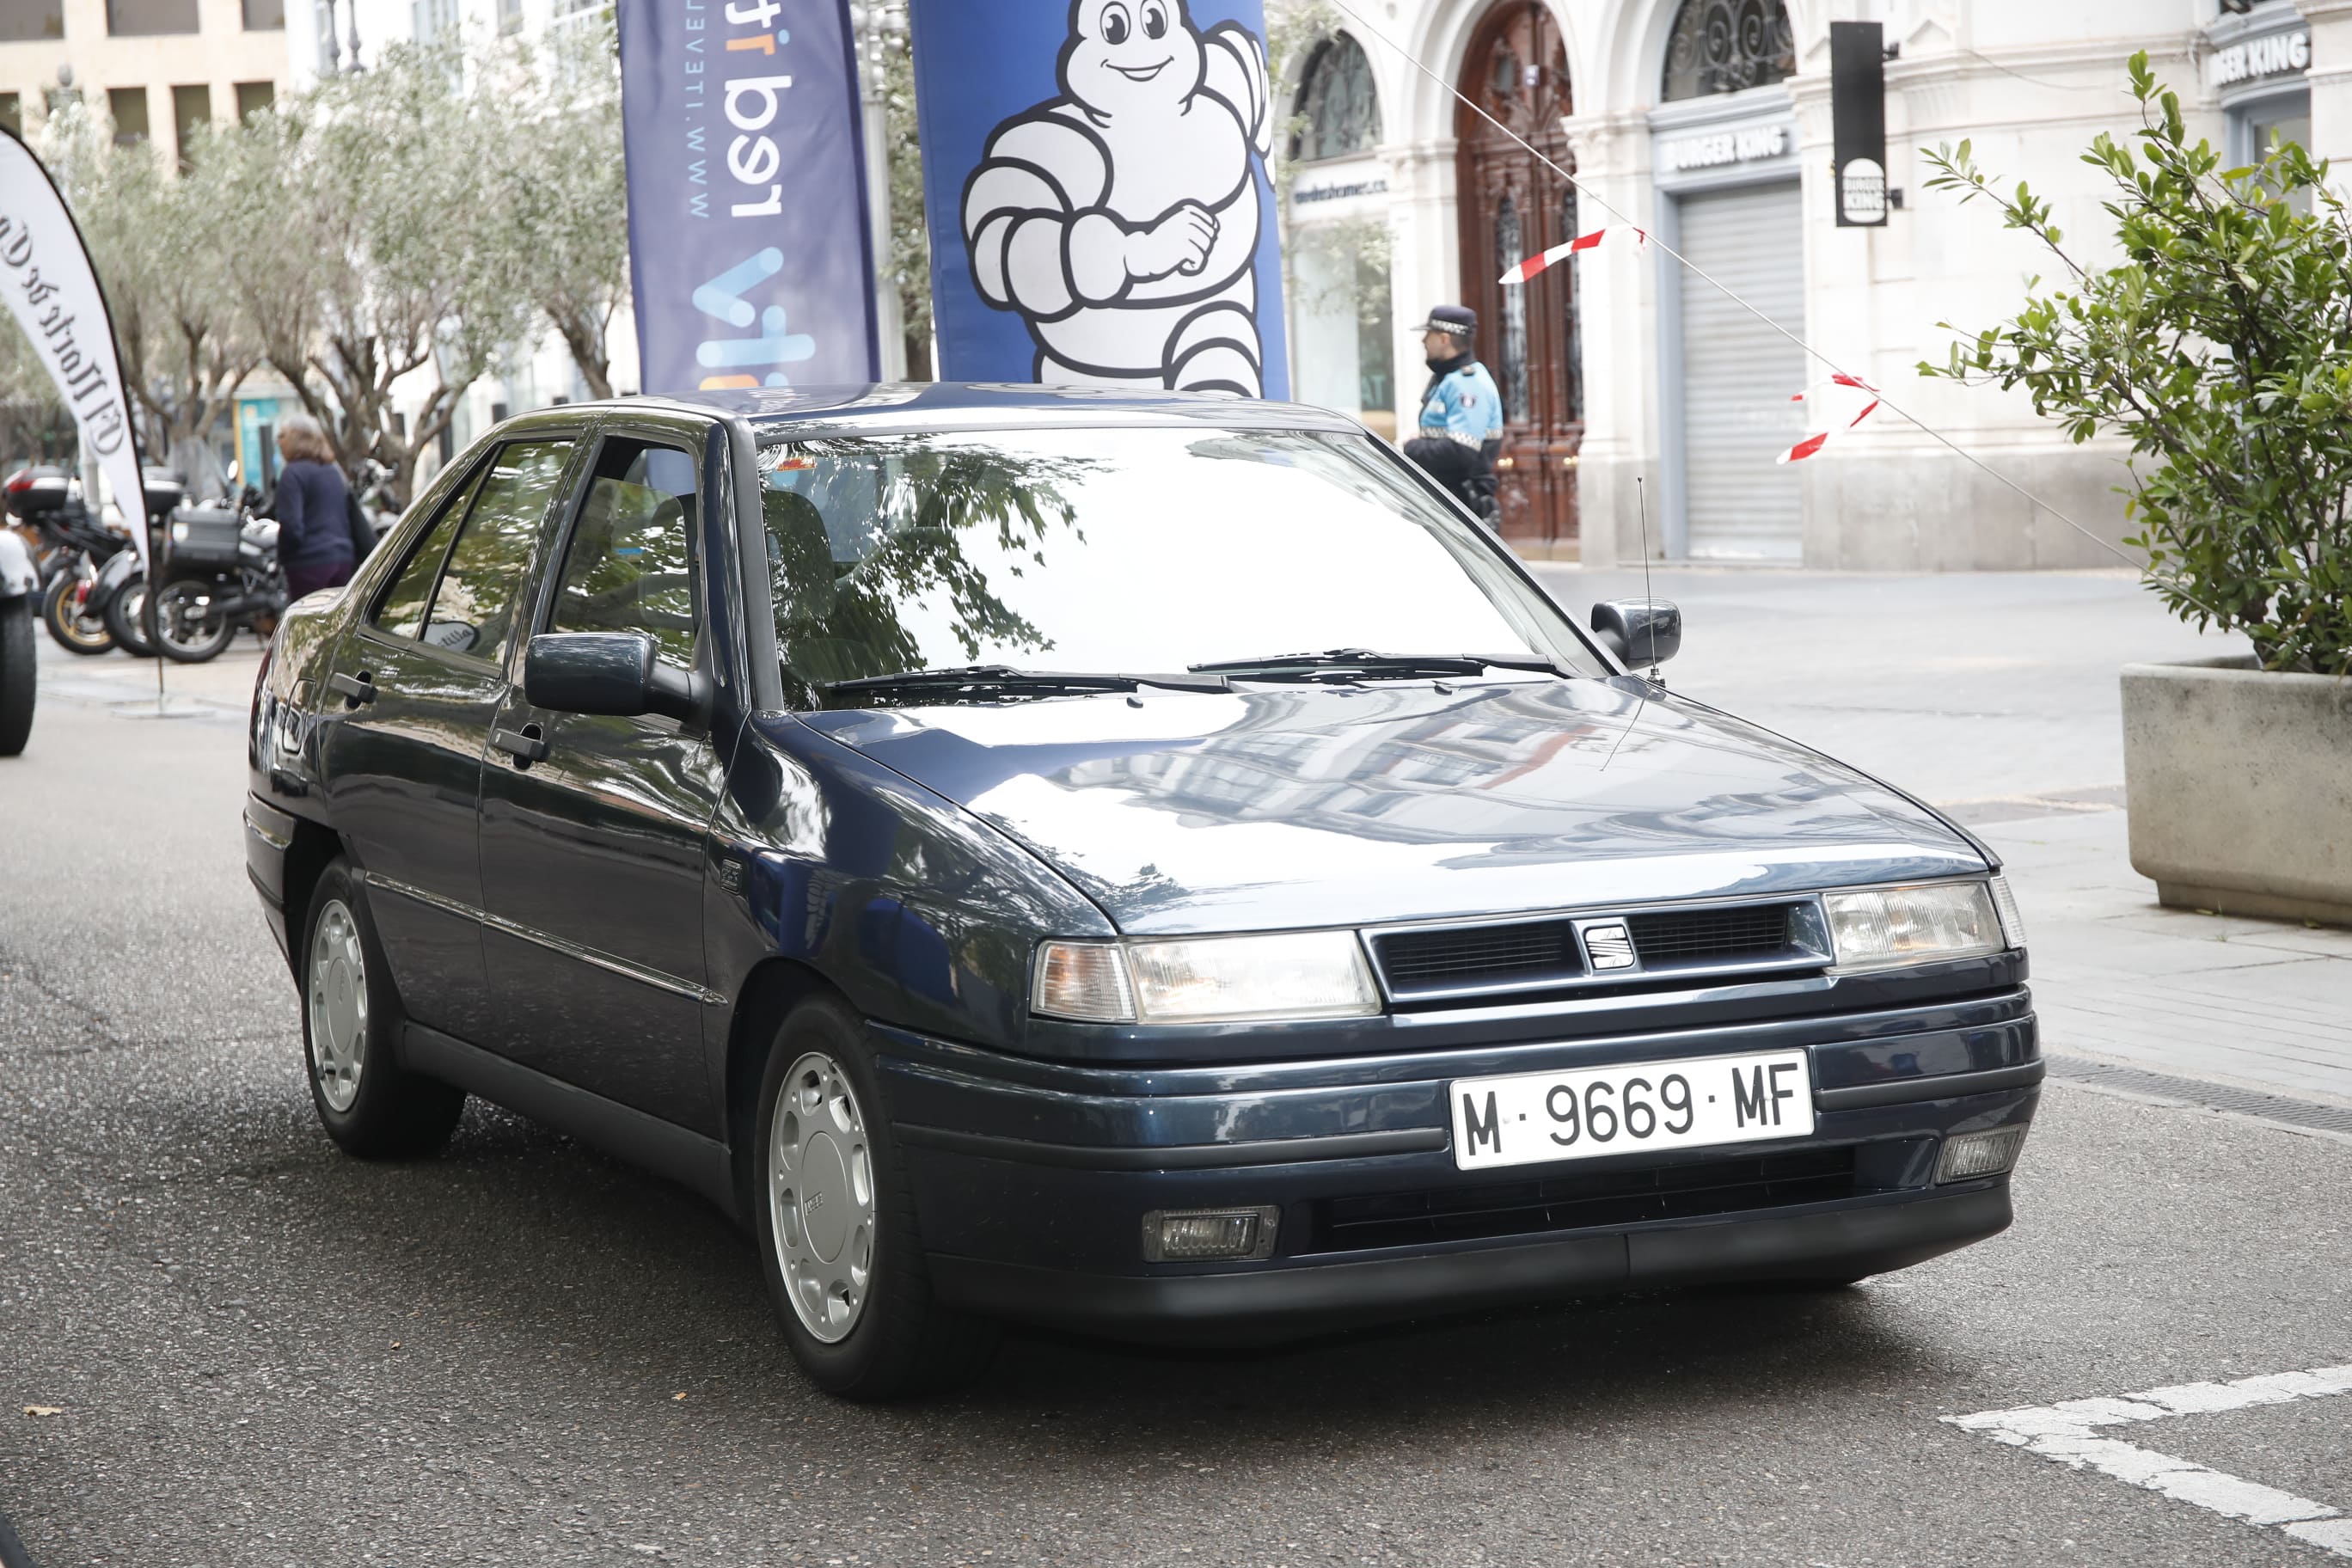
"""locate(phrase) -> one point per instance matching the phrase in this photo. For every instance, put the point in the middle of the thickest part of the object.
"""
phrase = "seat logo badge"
(1608, 945)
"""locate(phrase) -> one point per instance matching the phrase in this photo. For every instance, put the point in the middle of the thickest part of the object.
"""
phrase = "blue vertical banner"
(748, 252)
(1094, 176)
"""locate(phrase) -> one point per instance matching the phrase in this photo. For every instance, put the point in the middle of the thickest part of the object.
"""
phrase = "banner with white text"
(45, 272)
(1096, 179)
(749, 251)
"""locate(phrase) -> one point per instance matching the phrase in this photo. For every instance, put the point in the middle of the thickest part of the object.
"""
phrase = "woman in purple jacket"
(314, 536)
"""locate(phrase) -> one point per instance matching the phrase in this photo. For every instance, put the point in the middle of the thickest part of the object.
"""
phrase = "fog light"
(1208, 1235)
(1979, 1154)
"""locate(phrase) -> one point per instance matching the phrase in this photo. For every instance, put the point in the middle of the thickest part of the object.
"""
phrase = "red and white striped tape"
(1851, 391)
(1535, 265)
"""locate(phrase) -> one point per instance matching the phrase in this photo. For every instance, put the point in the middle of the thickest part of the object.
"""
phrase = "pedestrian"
(314, 536)
(1461, 414)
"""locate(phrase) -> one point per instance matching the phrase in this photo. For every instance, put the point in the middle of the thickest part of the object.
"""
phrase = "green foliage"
(2218, 347)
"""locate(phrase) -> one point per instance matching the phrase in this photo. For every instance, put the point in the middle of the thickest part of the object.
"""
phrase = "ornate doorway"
(1512, 206)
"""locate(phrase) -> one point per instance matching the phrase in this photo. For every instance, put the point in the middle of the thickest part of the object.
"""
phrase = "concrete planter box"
(2239, 788)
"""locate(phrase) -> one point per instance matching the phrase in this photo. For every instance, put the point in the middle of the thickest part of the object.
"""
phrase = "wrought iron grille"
(1726, 46)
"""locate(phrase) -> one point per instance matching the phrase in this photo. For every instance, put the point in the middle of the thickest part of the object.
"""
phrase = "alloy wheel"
(821, 1196)
(338, 1006)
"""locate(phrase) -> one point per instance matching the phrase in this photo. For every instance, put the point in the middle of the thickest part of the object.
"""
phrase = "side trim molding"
(662, 1147)
(572, 950)
(1178, 1156)
(1942, 1086)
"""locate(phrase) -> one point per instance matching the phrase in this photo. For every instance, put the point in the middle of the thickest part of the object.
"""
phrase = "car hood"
(1311, 806)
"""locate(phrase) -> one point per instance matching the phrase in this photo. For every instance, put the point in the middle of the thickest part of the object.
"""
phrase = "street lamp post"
(878, 24)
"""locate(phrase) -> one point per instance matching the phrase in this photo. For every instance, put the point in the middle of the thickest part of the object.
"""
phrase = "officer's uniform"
(1461, 427)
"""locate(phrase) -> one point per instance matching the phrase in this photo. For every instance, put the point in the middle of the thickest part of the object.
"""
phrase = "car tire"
(894, 1338)
(369, 1105)
(19, 676)
(68, 627)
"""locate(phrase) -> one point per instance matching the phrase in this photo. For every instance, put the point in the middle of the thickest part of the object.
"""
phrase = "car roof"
(902, 407)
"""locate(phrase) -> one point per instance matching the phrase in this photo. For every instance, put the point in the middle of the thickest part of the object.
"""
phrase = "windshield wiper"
(1005, 678)
(1346, 663)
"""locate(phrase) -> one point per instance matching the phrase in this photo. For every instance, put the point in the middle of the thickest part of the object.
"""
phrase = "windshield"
(1103, 550)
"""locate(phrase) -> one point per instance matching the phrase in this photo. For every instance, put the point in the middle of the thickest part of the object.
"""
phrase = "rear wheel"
(18, 676)
(126, 619)
(71, 625)
(836, 1220)
(369, 1104)
(188, 630)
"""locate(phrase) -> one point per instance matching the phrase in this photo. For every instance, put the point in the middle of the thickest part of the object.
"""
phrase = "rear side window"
(474, 609)
(628, 568)
(402, 612)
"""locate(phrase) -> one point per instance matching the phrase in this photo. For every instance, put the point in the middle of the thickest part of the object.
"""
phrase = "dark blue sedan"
(1152, 865)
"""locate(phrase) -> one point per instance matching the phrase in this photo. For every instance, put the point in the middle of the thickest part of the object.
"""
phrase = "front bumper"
(1030, 1178)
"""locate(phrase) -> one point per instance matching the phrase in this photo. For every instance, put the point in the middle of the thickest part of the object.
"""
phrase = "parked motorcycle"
(71, 547)
(219, 572)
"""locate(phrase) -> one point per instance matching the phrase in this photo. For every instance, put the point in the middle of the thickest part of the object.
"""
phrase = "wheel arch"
(314, 847)
(768, 995)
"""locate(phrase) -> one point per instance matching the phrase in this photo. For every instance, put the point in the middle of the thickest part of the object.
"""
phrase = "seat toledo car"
(1148, 864)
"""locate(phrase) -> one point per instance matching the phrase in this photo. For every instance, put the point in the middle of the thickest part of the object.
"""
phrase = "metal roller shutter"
(1738, 373)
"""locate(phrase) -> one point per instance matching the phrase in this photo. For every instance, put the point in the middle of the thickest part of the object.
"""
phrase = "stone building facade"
(1706, 123)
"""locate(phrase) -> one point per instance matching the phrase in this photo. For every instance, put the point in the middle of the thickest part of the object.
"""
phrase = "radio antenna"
(1648, 597)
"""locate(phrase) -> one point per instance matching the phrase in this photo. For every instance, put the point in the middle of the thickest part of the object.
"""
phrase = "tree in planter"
(2221, 347)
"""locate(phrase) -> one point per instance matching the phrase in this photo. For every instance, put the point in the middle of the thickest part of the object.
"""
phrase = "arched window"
(1722, 45)
(1337, 99)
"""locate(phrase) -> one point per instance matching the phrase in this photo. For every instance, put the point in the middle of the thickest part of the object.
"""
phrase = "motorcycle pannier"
(204, 537)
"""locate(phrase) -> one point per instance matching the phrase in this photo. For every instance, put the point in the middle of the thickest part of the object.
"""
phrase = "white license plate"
(1628, 1109)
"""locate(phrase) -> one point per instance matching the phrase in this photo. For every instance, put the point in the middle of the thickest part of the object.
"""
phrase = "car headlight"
(1206, 980)
(1879, 928)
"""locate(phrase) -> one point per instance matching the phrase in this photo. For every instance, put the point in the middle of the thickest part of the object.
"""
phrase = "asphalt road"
(261, 1352)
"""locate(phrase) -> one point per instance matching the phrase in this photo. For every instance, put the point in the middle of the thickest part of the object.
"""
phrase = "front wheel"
(126, 619)
(369, 1105)
(836, 1220)
(65, 612)
(188, 630)
(18, 676)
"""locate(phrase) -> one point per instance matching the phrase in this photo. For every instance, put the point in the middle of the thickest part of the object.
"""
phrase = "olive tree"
(2220, 346)
(372, 247)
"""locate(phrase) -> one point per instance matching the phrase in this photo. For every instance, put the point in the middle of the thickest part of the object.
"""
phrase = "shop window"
(252, 98)
(24, 21)
(128, 106)
(1339, 102)
(149, 19)
(265, 16)
(1728, 46)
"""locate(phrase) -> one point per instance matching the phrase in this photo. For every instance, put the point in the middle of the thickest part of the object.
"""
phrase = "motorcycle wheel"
(71, 626)
(185, 630)
(126, 616)
(17, 675)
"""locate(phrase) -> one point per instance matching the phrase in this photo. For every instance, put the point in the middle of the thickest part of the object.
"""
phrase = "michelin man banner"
(46, 273)
(748, 252)
(1096, 188)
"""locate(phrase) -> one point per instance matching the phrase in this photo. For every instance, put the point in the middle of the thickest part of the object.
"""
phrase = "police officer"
(1461, 414)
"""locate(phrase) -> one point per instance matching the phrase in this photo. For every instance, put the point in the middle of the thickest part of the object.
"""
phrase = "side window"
(401, 612)
(474, 611)
(629, 565)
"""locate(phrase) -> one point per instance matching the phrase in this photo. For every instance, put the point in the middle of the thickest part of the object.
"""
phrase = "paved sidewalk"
(1995, 695)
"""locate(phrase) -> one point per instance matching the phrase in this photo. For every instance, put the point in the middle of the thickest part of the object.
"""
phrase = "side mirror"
(609, 672)
(1640, 632)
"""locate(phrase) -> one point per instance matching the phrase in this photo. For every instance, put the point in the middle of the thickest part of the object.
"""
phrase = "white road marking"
(2069, 1432)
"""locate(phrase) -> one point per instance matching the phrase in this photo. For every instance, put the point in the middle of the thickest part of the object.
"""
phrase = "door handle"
(359, 690)
(524, 745)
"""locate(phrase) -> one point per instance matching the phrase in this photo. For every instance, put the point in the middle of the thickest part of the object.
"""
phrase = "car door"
(595, 828)
(420, 680)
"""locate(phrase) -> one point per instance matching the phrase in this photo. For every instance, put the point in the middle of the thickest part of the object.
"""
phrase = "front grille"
(1479, 955)
(1582, 1202)
(1710, 936)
